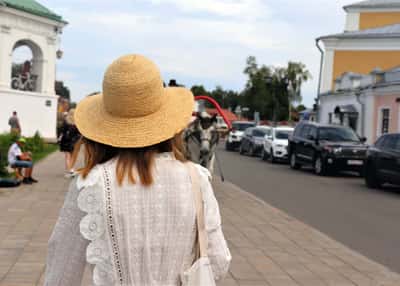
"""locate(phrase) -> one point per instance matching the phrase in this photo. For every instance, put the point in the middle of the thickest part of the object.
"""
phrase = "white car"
(276, 144)
(235, 135)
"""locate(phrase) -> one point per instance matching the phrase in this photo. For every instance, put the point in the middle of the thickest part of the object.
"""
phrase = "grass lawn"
(48, 149)
(37, 156)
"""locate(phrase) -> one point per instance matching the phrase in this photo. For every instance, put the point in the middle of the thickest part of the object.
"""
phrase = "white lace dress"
(133, 235)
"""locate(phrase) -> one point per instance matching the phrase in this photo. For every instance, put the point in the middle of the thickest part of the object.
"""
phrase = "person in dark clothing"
(68, 138)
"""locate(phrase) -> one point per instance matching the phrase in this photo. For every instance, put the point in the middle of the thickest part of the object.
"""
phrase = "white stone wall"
(40, 34)
(352, 21)
(330, 102)
(33, 113)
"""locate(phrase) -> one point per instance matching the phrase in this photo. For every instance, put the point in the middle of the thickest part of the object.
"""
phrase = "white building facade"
(36, 27)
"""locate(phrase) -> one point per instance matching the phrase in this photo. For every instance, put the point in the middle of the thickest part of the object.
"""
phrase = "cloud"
(203, 42)
(235, 8)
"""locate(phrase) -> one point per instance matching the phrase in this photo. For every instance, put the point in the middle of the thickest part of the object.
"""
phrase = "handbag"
(200, 273)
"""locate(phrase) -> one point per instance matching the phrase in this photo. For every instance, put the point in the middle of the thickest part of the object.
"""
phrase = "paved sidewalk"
(268, 246)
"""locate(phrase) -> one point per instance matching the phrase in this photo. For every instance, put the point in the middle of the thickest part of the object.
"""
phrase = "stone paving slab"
(269, 247)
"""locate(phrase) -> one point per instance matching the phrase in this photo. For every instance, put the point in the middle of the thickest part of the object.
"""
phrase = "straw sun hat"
(134, 110)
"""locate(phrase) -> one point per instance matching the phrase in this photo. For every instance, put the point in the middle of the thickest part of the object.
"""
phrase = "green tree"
(199, 90)
(296, 74)
(301, 107)
(257, 95)
(62, 90)
(272, 90)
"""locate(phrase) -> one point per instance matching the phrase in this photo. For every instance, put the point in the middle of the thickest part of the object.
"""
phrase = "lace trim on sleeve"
(93, 227)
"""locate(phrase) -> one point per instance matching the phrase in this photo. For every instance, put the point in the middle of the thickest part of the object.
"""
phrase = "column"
(5, 56)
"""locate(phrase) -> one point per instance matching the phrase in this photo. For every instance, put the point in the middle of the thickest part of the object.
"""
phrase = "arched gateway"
(28, 86)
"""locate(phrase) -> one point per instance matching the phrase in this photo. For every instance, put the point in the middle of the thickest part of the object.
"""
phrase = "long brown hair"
(129, 160)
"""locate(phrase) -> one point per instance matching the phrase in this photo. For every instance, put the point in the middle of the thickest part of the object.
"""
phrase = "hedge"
(34, 144)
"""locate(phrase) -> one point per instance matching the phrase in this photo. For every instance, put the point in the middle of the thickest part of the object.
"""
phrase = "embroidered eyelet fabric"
(145, 236)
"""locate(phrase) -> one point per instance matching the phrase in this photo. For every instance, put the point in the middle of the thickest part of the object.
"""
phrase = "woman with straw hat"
(69, 135)
(132, 212)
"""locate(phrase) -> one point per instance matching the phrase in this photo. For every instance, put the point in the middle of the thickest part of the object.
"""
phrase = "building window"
(385, 121)
(330, 118)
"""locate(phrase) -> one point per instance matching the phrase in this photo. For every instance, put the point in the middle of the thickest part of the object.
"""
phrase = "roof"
(307, 111)
(32, 7)
(374, 4)
(391, 31)
(229, 115)
(348, 108)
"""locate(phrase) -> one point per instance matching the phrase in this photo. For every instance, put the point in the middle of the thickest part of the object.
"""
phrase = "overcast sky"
(194, 41)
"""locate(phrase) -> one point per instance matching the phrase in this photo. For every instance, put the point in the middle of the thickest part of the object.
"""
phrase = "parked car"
(328, 148)
(253, 140)
(276, 144)
(235, 135)
(383, 161)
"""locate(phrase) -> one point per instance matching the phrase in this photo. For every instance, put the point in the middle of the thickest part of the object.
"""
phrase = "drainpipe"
(358, 97)
(320, 75)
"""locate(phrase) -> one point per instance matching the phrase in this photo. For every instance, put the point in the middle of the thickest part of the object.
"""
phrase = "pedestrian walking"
(69, 135)
(15, 127)
(138, 212)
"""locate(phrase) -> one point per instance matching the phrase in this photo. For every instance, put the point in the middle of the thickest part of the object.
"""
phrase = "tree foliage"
(269, 90)
(62, 90)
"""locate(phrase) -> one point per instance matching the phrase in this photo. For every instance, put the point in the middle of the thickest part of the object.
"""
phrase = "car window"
(397, 148)
(337, 134)
(282, 134)
(312, 131)
(242, 126)
(380, 142)
(298, 129)
(390, 143)
(304, 131)
(259, 132)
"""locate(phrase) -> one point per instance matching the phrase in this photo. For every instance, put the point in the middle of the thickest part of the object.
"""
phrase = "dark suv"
(383, 161)
(328, 148)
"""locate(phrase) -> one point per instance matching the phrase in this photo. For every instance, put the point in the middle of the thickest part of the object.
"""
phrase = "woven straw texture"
(134, 109)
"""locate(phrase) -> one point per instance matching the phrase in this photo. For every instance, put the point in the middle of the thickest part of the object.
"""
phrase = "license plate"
(355, 162)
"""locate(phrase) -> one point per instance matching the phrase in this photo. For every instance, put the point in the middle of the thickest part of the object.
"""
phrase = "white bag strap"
(198, 199)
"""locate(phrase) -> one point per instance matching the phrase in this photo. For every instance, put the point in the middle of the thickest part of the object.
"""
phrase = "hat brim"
(94, 123)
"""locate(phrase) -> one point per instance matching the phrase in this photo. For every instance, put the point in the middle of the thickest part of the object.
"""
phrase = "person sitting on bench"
(21, 160)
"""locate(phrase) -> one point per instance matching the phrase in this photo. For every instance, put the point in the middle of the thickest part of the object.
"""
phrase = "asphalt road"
(367, 221)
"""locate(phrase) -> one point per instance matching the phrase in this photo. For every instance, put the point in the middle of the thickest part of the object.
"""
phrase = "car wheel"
(319, 166)
(371, 179)
(251, 151)
(293, 162)
(228, 146)
(271, 156)
(264, 155)
(241, 151)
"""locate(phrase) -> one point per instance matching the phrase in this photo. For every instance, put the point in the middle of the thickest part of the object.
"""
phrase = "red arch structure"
(217, 106)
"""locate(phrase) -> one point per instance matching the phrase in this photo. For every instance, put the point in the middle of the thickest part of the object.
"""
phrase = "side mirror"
(363, 139)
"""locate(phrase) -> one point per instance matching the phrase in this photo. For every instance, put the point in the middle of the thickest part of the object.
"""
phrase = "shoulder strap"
(198, 199)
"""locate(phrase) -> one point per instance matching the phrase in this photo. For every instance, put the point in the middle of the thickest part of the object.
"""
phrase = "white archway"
(39, 31)
(30, 77)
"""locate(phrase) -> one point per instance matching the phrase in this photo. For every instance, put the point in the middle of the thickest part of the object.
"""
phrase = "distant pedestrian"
(21, 160)
(69, 135)
(13, 121)
(139, 212)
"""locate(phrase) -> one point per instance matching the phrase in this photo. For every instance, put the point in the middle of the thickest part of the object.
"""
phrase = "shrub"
(33, 144)
(5, 142)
